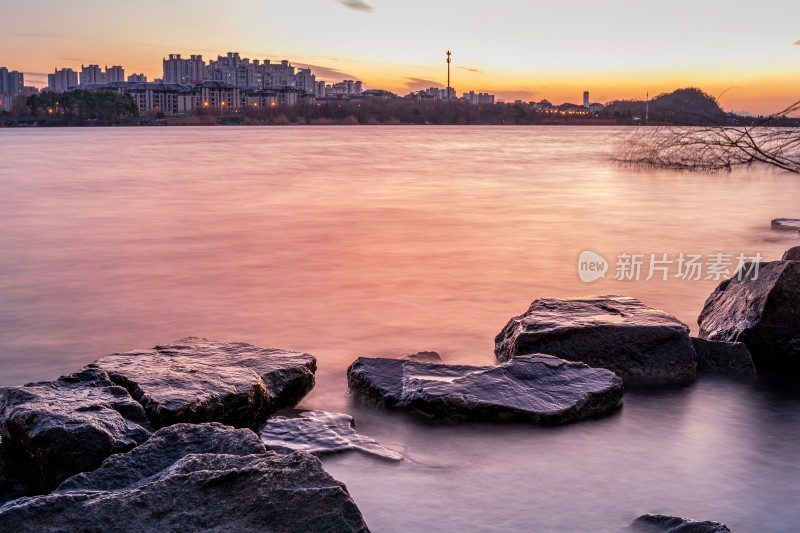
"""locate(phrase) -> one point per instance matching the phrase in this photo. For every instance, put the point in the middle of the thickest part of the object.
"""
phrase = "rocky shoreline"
(206, 424)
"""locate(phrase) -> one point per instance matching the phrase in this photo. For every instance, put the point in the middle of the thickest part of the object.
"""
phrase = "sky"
(746, 53)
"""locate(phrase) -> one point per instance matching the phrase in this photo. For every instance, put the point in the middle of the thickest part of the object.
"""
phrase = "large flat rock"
(55, 429)
(643, 346)
(196, 380)
(659, 523)
(764, 314)
(534, 388)
(194, 478)
(320, 433)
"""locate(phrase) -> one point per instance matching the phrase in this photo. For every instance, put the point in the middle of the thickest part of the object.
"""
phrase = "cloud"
(357, 5)
(470, 69)
(417, 84)
(329, 74)
(797, 42)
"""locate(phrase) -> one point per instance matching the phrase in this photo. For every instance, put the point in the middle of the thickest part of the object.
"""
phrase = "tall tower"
(586, 99)
(448, 75)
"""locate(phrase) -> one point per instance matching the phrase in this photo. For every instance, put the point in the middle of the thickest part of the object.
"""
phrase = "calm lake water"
(383, 241)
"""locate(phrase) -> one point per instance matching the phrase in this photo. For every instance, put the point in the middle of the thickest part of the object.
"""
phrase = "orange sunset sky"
(529, 50)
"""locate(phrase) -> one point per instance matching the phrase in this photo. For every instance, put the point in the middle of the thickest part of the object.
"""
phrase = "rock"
(9, 489)
(53, 430)
(643, 346)
(195, 380)
(532, 388)
(659, 523)
(319, 433)
(792, 254)
(786, 224)
(764, 314)
(162, 450)
(732, 358)
(431, 357)
(195, 487)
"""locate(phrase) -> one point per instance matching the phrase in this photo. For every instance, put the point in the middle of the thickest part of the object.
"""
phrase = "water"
(383, 241)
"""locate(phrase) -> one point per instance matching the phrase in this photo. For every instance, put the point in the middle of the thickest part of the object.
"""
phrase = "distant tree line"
(395, 111)
(81, 108)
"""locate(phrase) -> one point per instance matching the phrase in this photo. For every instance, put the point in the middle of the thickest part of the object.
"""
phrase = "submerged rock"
(194, 478)
(197, 380)
(786, 224)
(431, 357)
(55, 429)
(792, 254)
(532, 388)
(641, 345)
(762, 313)
(319, 433)
(731, 358)
(659, 523)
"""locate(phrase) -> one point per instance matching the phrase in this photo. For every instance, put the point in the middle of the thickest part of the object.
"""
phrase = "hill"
(688, 106)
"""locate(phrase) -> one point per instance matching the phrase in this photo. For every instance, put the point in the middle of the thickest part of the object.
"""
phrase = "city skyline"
(516, 50)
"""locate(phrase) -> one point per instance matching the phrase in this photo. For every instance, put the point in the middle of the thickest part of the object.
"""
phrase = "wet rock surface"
(657, 523)
(764, 314)
(55, 429)
(196, 380)
(643, 346)
(532, 388)
(209, 482)
(319, 433)
(730, 358)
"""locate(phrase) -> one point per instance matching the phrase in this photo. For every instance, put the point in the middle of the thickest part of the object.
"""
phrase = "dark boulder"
(792, 254)
(659, 523)
(10, 489)
(533, 388)
(195, 380)
(731, 358)
(643, 346)
(215, 479)
(762, 313)
(55, 429)
(319, 433)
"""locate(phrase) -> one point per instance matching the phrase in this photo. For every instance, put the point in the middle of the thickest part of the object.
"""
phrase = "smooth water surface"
(347, 241)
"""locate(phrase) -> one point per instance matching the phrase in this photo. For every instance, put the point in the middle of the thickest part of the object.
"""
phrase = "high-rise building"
(115, 73)
(279, 75)
(137, 78)
(16, 82)
(62, 80)
(91, 74)
(196, 69)
(306, 81)
(176, 70)
(12, 82)
(586, 99)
